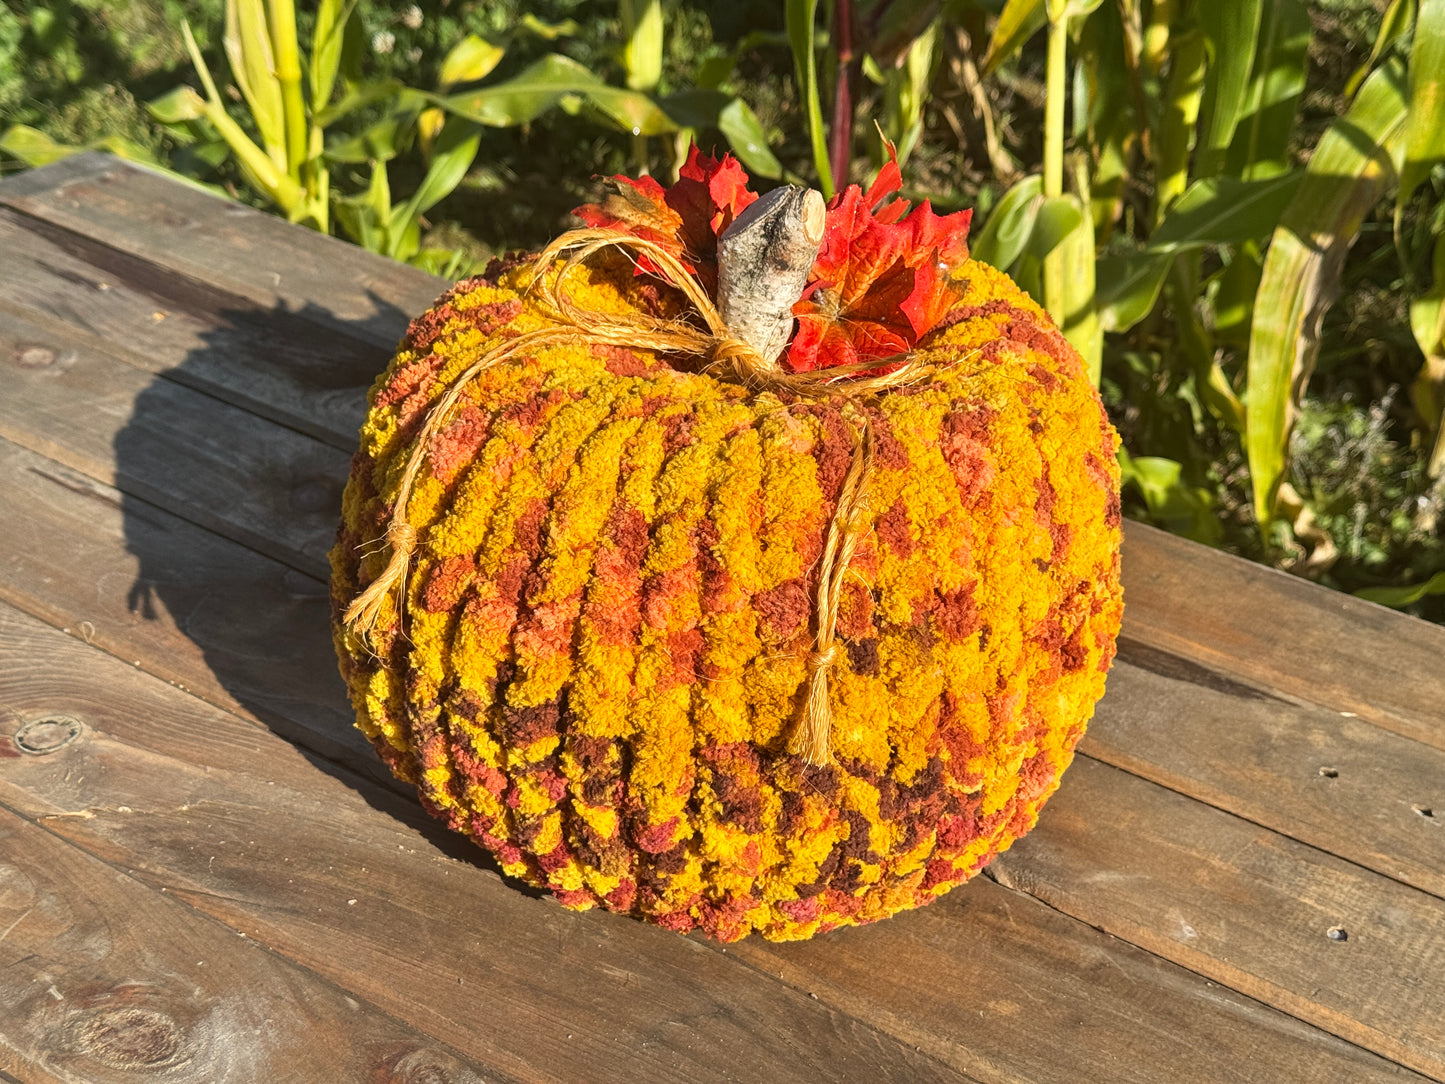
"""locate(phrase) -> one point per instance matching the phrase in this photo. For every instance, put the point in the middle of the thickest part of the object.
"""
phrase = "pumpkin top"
(885, 276)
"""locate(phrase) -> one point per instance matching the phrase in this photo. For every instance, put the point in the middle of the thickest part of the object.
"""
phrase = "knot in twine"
(812, 739)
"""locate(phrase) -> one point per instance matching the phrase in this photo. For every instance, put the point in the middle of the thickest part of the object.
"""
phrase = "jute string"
(812, 739)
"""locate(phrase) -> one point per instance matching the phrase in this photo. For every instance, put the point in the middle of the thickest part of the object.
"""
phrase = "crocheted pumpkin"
(609, 616)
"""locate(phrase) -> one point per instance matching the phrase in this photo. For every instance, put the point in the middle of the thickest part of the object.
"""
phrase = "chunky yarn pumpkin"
(606, 631)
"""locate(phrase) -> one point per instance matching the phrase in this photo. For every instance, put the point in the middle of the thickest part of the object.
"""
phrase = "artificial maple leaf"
(685, 218)
(880, 282)
(638, 207)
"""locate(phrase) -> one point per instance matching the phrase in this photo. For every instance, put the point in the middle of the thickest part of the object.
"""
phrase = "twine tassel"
(813, 739)
(365, 610)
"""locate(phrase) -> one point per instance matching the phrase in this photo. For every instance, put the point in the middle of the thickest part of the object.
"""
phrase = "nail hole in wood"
(1337, 933)
(42, 736)
(1329, 773)
(1424, 811)
(33, 356)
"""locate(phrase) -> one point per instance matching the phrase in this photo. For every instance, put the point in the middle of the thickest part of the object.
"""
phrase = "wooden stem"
(763, 262)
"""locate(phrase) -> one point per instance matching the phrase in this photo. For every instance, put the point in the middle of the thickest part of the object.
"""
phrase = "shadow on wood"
(242, 575)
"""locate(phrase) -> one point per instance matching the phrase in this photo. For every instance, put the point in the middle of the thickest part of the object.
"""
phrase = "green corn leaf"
(378, 142)
(1398, 19)
(470, 61)
(547, 83)
(1399, 597)
(1237, 285)
(1109, 78)
(1058, 217)
(326, 46)
(1215, 211)
(253, 68)
(455, 150)
(34, 147)
(1183, 509)
(800, 18)
(360, 95)
(199, 62)
(701, 108)
(1019, 21)
(1003, 237)
(1211, 386)
(1175, 127)
(749, 142)
(1355, 162)
(538, 28)
(642, 52)
(1425, 130)
(1224, 210)
(1128, 286)
(1261, 139)
(1231, 32)
(1427, 323)
(1080, 323)
(366, 215)
(259, 169)
(177, 106)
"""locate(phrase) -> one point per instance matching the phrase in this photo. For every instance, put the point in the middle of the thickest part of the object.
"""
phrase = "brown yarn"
(727, 354)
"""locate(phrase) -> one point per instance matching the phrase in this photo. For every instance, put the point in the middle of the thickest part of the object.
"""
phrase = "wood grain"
(1337, 783)
(237, 825)
(289, 366)
(230, 625)
(106, 981)
(269, 487)
(1245, 907)
(990, 980)
(243, 827)
(226, 244)
(1280, 632)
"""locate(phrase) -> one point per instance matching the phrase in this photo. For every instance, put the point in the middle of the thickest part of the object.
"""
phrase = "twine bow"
(812, 739)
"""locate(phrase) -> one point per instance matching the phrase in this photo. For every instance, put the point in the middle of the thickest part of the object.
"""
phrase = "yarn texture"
(607, 627)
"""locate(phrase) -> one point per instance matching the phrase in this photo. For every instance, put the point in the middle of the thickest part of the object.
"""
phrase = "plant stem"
(1058, 76)
(840, 149)
(800, 15)
(288, 74)
(1054, 265)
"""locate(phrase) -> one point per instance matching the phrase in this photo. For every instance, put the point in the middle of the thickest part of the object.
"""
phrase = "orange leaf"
(880, 282)
(686, 217)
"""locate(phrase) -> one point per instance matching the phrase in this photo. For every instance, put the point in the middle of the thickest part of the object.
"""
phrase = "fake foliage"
(610, 611)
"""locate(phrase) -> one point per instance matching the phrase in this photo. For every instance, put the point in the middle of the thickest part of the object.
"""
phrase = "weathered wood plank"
(269, 487)
(1245, 907)
(231, 626)
(226, 244)
(106, 981)
(273, 362)
(1280, 632)
(1338, 784)
(985, 955)
(1010, 990)
(349, 881)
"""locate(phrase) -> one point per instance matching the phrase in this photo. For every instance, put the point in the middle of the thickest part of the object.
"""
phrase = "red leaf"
(686, 218)
(709, 194)
(880, 282)
(637, 207)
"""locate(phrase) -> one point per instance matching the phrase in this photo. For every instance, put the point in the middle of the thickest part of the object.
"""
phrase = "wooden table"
(206, 876)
